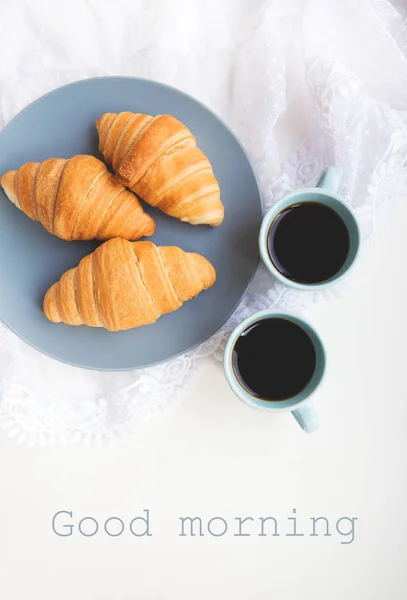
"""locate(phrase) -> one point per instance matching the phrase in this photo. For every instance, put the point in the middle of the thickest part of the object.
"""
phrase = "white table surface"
(215, 457)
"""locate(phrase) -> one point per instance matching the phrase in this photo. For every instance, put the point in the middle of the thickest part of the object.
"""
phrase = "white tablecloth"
(303, 83)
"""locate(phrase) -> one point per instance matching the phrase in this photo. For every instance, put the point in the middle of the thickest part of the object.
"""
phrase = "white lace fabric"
(303, 83)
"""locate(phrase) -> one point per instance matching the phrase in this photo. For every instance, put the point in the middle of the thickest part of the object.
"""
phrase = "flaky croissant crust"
(157, 158)
(77, 199)
(127, 284)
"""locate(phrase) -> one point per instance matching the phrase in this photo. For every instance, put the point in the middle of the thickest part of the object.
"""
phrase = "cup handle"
(306, 417)
(330, 179)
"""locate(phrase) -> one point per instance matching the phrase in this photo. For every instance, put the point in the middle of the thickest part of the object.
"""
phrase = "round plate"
(61, 124)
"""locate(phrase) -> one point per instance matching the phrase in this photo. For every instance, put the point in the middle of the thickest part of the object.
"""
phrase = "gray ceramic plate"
(62, 124)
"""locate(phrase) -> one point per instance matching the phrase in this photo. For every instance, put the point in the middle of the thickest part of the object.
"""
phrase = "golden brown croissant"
(127, 284)
(77, 199)
(157, 158)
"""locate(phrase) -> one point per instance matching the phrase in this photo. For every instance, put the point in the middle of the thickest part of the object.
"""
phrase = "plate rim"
(231, 132)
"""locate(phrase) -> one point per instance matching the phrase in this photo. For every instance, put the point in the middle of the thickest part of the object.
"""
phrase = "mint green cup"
(300, 405)
(324, 193)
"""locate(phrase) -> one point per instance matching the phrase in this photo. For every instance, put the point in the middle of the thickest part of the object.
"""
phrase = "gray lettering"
(210, 526)
(294, 519)
(351, 531)
(70, 527)
(241, 521)
(191, 529)
(88, 519)
(314, 522)
(146, 521)
(263, 521)
(121, 524)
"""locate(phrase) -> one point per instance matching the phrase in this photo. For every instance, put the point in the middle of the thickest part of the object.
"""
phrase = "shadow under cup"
(326, 198)
(299, 405)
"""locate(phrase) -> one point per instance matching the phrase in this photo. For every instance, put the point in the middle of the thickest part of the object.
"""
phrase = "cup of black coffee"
(310, 239)
(274, 361)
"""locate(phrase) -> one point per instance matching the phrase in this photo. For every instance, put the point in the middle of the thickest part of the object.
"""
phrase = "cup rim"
(273, 212)
(239, 391)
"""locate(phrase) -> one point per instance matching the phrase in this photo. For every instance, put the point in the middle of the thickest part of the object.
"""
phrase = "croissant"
(157, 158)
(127, 284)
(77, 199)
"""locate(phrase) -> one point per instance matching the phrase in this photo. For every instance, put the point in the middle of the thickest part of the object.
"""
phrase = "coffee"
(274, 359)
(308, 242)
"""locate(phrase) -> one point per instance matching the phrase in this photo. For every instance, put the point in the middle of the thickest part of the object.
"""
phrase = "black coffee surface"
(308, 242)
(274, 359)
